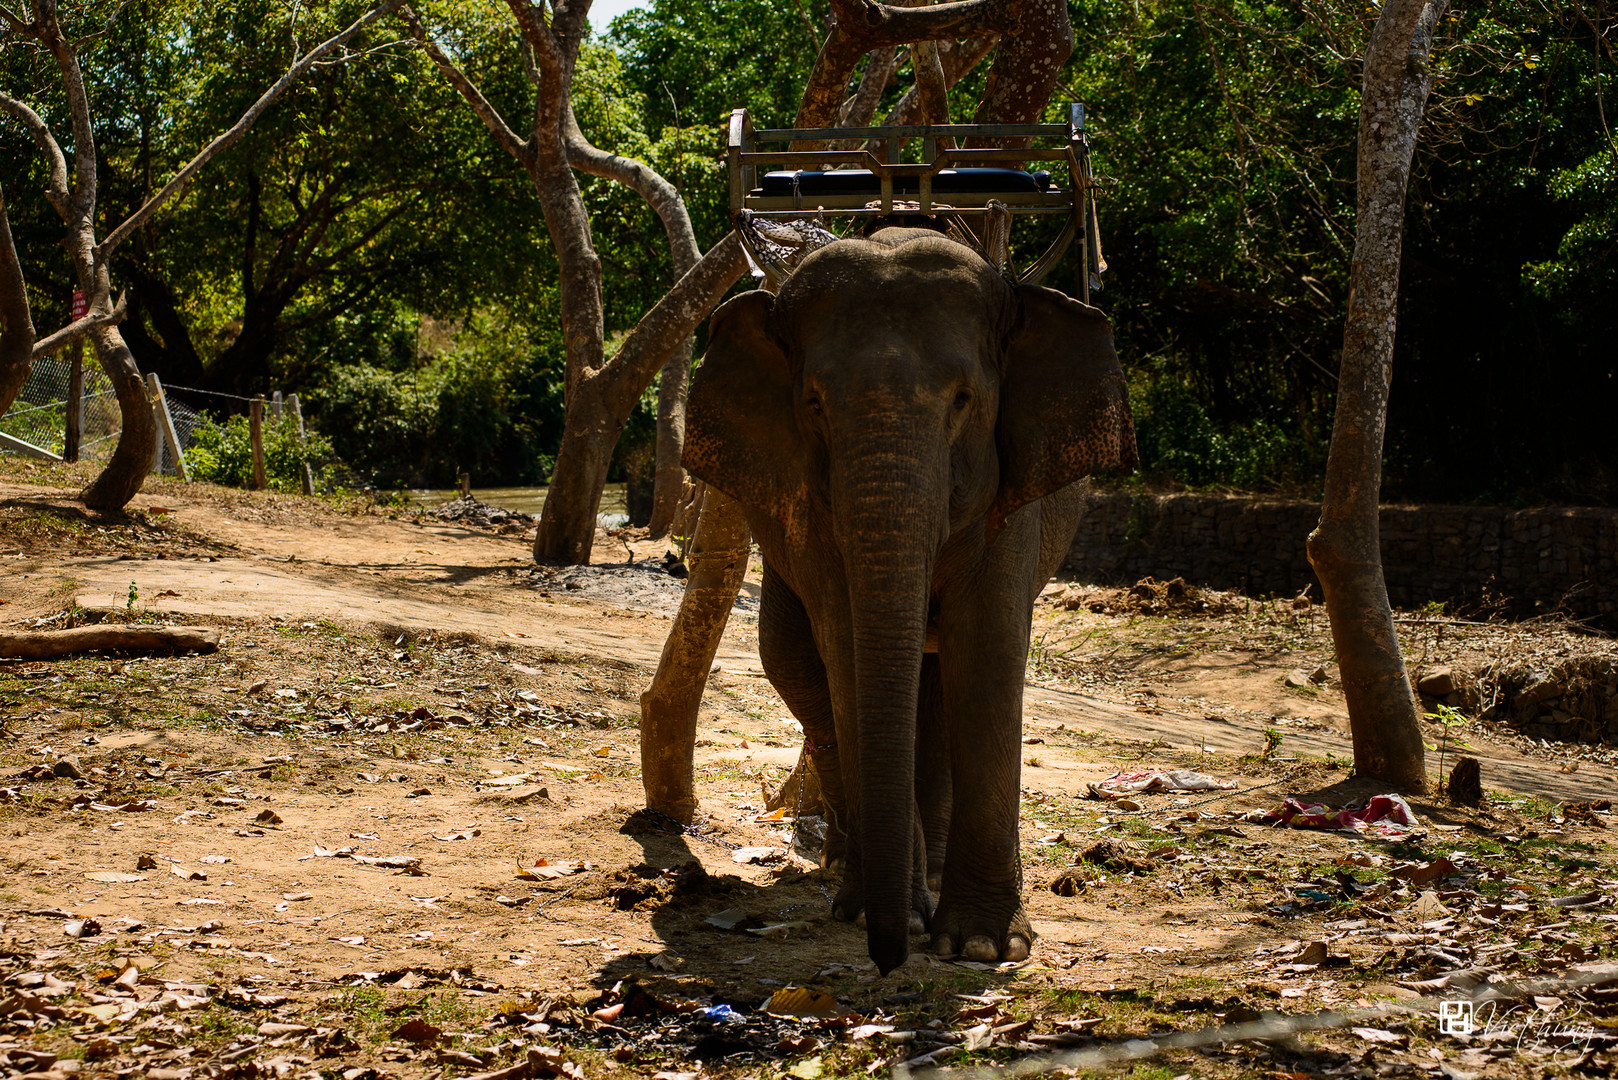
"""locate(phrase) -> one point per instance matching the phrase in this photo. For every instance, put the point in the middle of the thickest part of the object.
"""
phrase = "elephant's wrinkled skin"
(904, 430)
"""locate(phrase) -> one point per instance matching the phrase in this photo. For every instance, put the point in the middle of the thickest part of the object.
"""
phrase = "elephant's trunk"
(891, 533)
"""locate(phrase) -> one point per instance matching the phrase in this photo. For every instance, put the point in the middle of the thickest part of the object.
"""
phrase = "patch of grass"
(364, 1008)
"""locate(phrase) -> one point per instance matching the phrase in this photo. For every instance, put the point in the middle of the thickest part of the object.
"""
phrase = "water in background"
(526, 500)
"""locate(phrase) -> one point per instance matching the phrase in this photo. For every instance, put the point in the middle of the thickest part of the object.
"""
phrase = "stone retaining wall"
(1527, 561)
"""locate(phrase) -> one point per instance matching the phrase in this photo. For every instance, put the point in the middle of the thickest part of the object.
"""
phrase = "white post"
(275, 407)
(308, 473)
(165, 424)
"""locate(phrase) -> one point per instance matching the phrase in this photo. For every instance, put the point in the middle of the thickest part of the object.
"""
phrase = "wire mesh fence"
(39, 415)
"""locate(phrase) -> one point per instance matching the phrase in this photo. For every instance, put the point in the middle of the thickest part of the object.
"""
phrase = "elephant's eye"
(815, 406)
(963, 399)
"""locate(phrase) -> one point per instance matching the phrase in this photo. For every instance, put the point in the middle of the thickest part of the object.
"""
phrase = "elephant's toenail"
(943, 945)
(842, 914)
(1016, 949)
(917, 924)
(980, 949)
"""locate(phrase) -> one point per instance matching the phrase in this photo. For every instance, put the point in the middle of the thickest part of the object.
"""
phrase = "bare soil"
(390, 829)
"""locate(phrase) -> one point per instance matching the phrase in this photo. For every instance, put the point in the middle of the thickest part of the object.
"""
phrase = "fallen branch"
(48, 644)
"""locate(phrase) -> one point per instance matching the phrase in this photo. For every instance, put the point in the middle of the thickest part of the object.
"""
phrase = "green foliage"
(224, 454)
(481, 395)
(370, 205)
(1182, 442)
(693, 61)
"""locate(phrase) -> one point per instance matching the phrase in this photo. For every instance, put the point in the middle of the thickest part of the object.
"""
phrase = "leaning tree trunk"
(131, 459)
(16, 321)
(1345, 547)
(668, 708)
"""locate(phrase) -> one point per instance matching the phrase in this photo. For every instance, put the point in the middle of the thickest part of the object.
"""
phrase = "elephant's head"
(897, 391)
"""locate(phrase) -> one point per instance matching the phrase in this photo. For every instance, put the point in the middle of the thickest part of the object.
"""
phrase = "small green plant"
(129, 604)
(1448, 720)
(1273, 738)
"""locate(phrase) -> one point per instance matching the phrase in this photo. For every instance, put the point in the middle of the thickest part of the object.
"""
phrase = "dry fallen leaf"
(801, 1001)
(775, 931)
(759, 855)
(114, 877)
(418, 1031)
(545, 870)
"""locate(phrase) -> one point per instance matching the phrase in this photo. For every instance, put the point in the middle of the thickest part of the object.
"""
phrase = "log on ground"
(47, 644)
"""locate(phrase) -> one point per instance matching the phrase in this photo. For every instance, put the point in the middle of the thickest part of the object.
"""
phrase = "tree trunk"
(169, 352)
(603, 399)
(16, 322)
(131, 459)
(674, 384)
(1026, 67)
(1345, 548)
(244, 366)
(668, 708)
(50, 644)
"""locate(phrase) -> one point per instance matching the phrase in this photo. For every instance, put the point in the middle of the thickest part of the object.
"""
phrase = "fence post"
(165, 424)
(466, 484)
(275, 407)
(255, 416)
(74, 437)
(303, 441)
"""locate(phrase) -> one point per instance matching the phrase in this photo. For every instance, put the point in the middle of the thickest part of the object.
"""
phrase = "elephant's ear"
(740, 433)
(1064, 406)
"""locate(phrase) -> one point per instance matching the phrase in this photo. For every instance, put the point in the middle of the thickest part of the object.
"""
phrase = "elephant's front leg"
(983, 651)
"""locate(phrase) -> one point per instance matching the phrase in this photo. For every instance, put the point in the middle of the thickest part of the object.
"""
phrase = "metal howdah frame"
(940, 150)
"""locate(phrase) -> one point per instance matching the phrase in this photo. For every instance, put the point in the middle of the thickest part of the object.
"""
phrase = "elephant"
(905, 429)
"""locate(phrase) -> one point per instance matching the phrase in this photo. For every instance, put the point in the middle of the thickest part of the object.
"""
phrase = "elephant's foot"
(834, 852)
(982, 935)
(849, 906)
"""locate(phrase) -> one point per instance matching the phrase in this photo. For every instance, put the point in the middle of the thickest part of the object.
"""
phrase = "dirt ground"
(390, 829)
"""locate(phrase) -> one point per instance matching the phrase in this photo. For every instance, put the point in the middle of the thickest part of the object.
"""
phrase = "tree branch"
(645, 181)
(73, 331)
(18, 26)
(481, 105)
(674, 318)
(883, 24)
(78, 102)
(139, 217)
(41, 133)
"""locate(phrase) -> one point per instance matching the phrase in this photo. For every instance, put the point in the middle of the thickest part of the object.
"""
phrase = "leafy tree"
(75, 200)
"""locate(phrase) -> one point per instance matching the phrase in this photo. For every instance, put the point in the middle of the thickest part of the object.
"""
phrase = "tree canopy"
(370, 247)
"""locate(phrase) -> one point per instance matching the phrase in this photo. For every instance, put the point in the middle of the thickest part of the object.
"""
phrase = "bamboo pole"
(303, 442)
(73, 439)
(255, 418)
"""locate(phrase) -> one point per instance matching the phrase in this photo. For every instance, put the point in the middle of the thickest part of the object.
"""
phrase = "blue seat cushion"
(865, 182)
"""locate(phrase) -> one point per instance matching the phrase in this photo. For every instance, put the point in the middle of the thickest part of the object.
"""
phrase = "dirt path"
(422, 575)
